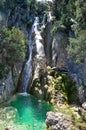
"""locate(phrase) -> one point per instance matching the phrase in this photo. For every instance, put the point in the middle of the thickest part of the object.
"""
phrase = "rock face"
(3, 18)
(76, 71)
(82, 111)
(59, 54)
(17, 17)
(10, 82)
(16, 72)
(48, 43)
(58, 121)
(39, 62)
(6, 87)
(43, 87)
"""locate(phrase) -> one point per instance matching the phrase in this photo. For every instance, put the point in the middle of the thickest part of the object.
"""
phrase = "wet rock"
(58, 121)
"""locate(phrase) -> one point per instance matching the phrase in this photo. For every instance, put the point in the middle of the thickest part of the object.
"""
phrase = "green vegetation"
(3, 70)
(42, 8)
(65, 85)
(76, 119)
(12, 44)
(6, 5)
(77, 47)
(32, 6)
(69, 88)
(70, 15)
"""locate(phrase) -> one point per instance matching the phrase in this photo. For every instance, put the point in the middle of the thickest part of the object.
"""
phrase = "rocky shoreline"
(76, 120)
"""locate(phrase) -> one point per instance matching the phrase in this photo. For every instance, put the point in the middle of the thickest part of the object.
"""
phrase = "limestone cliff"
(60, 60)
(7, 87)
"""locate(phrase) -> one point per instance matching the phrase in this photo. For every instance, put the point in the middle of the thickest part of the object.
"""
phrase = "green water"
(31, 113)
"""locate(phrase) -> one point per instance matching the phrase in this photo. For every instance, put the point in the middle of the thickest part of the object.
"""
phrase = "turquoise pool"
(30, 113)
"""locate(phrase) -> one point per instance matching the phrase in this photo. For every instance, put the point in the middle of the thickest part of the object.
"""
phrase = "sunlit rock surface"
(58, 121)
(82, 111)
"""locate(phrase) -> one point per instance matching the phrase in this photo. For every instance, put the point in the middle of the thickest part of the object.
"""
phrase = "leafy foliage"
(6, 5)
(71, 14)
(42, 8)
(3, 70)
(77, 47)
(12, 45)
(66, 86)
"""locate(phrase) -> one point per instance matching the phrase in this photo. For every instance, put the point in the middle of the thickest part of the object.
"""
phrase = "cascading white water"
(28, 67)
(40, 56)
(38, 39)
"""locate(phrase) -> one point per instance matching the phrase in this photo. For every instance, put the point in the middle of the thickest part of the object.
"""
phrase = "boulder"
(82, 111)
(58, 121)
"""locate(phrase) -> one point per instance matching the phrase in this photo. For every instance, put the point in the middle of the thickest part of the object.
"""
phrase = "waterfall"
(28, 66)
(40, 56)
(38, 39)
(40, 59)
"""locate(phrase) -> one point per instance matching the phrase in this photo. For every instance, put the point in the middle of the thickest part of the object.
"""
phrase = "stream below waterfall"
(24, 112)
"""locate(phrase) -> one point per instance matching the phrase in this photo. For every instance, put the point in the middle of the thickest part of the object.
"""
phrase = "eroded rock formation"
(58, 121)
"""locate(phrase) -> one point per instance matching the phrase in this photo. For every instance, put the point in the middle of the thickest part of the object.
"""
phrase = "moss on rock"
(65, 87)
(58, 88)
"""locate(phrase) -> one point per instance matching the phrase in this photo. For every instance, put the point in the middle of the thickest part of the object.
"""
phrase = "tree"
(71, 16)
(77, 47)
(13, 45)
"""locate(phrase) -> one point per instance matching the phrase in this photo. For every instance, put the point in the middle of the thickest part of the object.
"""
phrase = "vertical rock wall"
(7, 87)
(60, 59)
